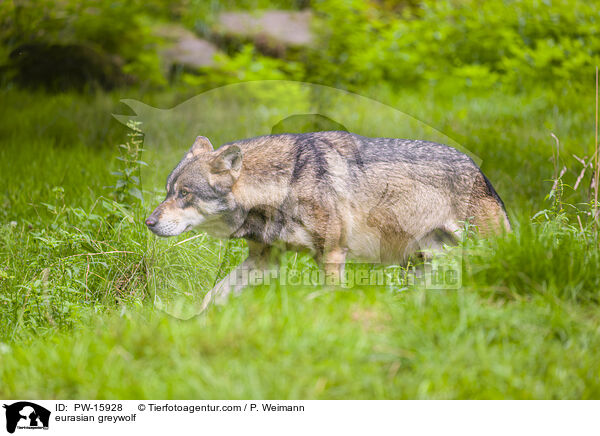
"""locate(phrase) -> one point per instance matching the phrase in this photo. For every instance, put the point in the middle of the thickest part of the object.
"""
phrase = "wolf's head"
(198, 190)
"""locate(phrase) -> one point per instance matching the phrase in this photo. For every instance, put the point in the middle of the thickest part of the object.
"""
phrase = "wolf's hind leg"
(434, 241)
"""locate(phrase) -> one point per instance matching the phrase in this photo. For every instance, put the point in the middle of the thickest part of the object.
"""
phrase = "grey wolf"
(334, 194)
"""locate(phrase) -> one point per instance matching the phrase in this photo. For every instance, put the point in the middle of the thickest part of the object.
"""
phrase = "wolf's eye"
(184, 192)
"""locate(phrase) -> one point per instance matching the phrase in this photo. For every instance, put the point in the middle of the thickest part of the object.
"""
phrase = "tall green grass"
(84, 286)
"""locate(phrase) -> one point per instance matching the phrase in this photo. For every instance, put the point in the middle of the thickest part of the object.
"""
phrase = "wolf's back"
(426, 184)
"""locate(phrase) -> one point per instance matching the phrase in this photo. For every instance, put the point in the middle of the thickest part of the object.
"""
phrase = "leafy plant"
(127, 190)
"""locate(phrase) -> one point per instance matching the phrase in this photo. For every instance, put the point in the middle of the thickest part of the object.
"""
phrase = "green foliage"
(127, 189)
(347, 35)
(245, 65)
(117, 28)
(480, 43)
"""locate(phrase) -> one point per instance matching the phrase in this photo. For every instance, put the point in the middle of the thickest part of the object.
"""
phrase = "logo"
(26, 415)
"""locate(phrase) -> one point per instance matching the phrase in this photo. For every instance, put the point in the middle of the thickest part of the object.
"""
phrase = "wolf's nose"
(151, 221)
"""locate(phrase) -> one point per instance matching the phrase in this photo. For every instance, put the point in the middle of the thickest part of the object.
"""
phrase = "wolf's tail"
(490, 213)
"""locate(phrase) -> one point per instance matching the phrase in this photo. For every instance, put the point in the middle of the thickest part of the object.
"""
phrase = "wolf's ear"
(227, 160)
(201, 144)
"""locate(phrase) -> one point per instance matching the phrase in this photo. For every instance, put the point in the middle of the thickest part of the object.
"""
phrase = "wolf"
(335, 194)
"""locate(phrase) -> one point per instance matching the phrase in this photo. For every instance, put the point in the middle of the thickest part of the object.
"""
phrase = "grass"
(352, 344)
(82, 282)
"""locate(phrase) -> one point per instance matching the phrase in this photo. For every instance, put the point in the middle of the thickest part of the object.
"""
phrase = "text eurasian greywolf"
(334, 194)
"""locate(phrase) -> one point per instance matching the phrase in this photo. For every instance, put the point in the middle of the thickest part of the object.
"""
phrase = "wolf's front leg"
(234, 282)
(334, 264)
(259, 263)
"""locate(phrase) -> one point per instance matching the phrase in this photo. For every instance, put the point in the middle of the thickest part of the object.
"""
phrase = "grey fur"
(330, 193)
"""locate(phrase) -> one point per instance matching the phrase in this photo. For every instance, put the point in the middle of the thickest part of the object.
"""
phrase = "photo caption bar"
(21, 417)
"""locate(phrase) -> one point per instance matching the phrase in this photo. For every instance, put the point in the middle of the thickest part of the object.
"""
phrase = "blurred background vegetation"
(348, 43)
(81, 278)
